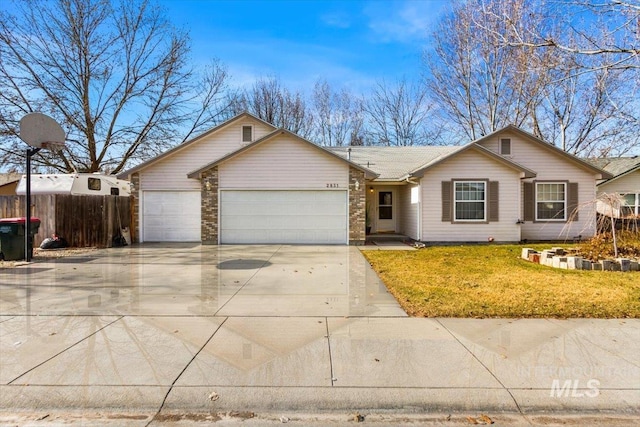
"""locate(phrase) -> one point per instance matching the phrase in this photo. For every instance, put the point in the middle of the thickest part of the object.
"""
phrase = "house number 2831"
(333, 185)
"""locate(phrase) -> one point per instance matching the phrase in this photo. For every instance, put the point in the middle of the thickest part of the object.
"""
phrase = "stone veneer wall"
(357, 206)
(136, 193)
(209, 207)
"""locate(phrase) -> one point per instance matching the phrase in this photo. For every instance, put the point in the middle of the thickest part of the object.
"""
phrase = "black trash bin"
(12, 237)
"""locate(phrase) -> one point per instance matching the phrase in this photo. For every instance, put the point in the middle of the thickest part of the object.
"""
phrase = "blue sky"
(350, 43)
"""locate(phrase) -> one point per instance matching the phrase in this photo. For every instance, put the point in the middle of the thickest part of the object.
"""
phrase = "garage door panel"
(284, 217)
(171, 216)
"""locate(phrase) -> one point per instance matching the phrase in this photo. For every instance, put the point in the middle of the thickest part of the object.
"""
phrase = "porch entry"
(385, 210)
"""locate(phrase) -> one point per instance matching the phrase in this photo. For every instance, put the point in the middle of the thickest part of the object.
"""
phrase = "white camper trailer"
(85, 184)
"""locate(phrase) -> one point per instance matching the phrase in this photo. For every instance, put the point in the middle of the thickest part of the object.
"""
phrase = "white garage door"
(171, 216)
(313, 217)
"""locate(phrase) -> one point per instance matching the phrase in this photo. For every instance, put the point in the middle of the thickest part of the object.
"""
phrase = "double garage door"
(251, 217)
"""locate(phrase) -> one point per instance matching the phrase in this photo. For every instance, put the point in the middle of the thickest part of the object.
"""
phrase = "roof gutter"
(411, 180)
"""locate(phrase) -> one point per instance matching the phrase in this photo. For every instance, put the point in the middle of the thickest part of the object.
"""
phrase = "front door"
(386, 218)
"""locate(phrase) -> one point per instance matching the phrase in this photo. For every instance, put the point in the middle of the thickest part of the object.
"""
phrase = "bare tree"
(275, 104)
(484, 83)
(398, 114)
(609, 29)
(113, 73)
(581, 113)
(482, 86)
(338, 116)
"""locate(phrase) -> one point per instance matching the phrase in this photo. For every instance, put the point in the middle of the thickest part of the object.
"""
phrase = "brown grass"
(493, 281)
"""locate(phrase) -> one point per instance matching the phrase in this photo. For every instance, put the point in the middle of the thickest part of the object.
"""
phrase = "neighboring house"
(8, 183)
(245, 181)
(625, 182)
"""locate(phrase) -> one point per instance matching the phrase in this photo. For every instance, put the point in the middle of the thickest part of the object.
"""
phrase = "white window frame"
(635, 207)
(242, 133)
(456, 201)
(510, 146)
(565, 201)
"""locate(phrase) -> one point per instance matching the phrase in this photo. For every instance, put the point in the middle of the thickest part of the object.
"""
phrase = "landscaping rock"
(597, 266)
(574, 263)
(634, 266)
(607, 265)
(534, 257)
(558, 250)
(625, 264)
(546, 257)
(586, 264)
(526, 252)
(560, 262)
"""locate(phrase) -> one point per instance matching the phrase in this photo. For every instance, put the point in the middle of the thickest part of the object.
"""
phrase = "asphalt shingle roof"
(616, 165)
(394, 163)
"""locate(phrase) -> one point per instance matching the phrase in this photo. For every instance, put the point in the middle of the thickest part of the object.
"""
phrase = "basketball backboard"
(41, 131)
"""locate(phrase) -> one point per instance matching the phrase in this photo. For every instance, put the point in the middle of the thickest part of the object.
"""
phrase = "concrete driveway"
(190, 279)
(149, 333)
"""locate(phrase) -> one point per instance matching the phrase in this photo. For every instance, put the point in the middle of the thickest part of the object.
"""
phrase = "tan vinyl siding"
(626, 184)
(471, 165)
(550, 166)
(408, 210)
(171, 173)
(284, 163)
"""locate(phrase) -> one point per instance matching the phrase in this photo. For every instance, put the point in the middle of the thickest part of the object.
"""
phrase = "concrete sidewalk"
(125, 332)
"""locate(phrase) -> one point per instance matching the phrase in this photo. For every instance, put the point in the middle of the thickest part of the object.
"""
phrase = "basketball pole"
(27, 217)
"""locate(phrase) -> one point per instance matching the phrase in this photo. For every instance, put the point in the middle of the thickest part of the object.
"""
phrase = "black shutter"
(446, 201)
(529, 201)
(494, 204)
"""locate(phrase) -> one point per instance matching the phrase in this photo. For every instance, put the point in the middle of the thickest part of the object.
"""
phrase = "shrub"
(601, 246)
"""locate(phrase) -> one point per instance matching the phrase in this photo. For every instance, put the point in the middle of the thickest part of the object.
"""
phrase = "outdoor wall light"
(357, 185)
(207, 185)
(370, 189)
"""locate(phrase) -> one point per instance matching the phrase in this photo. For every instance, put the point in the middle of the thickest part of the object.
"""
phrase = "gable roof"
(123, 175)
(617, 166)
(392, 163)
(527, 173)
(400, 163)
(579, 162)
(195, 174)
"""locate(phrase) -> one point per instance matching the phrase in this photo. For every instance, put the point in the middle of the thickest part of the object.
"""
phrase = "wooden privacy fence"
(82, 220)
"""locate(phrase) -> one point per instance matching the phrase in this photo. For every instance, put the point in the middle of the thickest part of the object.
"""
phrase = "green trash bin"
(12, 237)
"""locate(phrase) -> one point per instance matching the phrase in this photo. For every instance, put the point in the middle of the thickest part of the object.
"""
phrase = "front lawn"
(493, 281)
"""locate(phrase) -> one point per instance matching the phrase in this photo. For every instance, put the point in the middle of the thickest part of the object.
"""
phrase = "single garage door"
(171, 216)
(307, 217)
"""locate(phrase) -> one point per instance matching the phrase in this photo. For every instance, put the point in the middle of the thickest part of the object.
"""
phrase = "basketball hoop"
(53, 146)
(40, 132)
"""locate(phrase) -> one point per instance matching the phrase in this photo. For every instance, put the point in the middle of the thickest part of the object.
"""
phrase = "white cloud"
(298, 69)
(405, 22)
(336, 19)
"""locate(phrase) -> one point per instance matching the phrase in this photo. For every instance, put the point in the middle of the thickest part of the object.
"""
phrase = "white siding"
(471, 165)
(627, 184)
(408, 210)
(284, 163)
(171, 172)
(550, 166)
